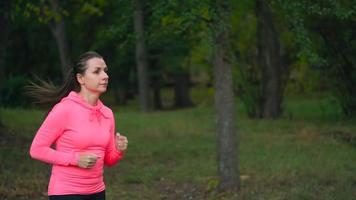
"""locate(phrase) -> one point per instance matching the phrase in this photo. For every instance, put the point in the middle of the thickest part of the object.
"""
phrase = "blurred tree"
(5, 7)
(247, 73)
(184, 24)
(58, 28)
(339, 47)
(51, 13)
(182, 28)
(111, 34)
(325, 34)
(262, 63)
(156, 74)
(177, 51)
(213, 17)
(270, 61)
(224, 96)
(181, 90)
(141, 57)
(27, 43)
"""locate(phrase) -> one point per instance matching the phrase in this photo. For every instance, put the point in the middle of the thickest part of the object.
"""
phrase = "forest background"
(280, 73)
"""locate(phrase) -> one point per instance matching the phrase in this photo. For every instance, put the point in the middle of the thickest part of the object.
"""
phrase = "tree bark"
(270, 60)
(59, 32)
(224, 99)
(141, 58)
(181, 90)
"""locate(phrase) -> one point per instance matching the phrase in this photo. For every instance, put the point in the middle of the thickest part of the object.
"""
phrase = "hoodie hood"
(96, 112)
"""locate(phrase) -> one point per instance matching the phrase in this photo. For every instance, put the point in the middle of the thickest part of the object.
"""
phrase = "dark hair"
(46, 94)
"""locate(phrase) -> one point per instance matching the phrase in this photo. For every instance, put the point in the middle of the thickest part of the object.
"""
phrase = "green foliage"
(12, 93)
(42, 11)
(182, 28)
(178, 41)
(299, 15)
(90, 9)
(304, 80)
(324, 33)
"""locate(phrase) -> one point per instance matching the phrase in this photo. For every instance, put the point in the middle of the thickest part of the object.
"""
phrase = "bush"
(12, 92)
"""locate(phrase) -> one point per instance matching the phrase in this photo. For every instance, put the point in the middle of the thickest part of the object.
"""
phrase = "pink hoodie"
(74, 126)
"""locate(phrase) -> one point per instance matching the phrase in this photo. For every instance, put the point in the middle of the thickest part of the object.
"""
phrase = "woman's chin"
(101, 90)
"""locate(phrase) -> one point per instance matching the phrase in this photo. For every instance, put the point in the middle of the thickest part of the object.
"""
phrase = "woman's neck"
(91, 98)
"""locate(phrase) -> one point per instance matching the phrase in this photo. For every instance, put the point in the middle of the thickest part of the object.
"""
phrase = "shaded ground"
(172, 155)
(346, 137)
(171, 191)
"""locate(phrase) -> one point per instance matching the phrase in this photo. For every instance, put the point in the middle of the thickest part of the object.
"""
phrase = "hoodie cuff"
(121, 153)
(74, 159)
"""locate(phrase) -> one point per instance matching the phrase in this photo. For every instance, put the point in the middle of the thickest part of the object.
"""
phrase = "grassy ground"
(172, 154)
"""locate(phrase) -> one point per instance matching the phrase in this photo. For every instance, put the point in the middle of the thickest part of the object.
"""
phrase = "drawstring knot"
(95, 114)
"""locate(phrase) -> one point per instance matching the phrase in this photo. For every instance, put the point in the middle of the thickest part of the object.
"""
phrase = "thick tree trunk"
(181, 90)
(270, 60)
(224, 99)
(58, 30)
(141, 59)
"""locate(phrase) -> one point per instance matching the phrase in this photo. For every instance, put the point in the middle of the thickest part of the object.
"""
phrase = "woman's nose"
(105, 75)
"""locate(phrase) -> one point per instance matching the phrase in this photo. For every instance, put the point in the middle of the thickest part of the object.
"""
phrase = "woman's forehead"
(96, 62)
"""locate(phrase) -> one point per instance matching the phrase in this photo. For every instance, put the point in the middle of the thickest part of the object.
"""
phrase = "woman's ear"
(80, 79)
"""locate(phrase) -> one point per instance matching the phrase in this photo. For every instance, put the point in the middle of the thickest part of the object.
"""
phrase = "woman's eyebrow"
(98, 68)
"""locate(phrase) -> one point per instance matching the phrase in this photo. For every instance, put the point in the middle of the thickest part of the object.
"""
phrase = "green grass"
(172, 154)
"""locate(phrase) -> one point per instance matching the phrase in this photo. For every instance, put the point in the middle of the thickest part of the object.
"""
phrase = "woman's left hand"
(121, 142)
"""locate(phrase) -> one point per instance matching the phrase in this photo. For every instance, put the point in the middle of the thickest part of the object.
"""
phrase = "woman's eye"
(96, 72)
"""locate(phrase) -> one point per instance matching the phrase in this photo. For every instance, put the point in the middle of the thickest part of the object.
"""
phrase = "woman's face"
(95, 78)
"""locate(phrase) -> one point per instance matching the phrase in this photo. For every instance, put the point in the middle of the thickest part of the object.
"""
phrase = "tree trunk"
(270, 60)
(141, 60)
(157, 100)
(224, 99)
(5, 6)
(181, 90)
(58, 30)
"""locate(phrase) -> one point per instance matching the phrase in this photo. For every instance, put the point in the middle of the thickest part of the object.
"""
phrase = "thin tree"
(5, 6)
(58, 29)
(51, 14)
(181, 90)
(141, 58)
(224, 98)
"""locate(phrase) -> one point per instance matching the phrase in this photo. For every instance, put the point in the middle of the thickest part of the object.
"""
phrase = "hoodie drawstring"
(95, 114)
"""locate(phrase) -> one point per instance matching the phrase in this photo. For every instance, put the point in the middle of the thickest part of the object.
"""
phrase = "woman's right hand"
(87, 160)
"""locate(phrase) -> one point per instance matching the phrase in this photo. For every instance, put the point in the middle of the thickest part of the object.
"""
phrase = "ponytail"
(46, 94)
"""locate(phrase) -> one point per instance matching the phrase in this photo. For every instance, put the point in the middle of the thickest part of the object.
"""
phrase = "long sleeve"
(48, 133)
(112, 155)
